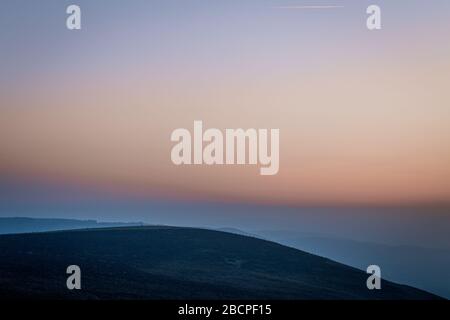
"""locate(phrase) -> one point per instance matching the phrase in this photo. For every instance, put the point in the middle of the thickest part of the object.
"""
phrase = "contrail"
(308, 7)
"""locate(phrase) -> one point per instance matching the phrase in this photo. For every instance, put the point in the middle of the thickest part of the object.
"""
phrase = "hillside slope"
(176, 263)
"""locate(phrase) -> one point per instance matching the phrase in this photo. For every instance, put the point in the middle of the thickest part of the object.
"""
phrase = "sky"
(363, 115)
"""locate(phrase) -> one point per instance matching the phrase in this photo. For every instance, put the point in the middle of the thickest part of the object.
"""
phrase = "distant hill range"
(176, 263)
(422, 267)
(27, 225)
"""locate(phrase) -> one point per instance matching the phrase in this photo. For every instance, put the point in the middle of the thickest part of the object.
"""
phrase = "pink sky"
(363, 118)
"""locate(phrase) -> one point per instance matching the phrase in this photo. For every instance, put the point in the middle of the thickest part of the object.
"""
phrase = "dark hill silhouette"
(176, 263)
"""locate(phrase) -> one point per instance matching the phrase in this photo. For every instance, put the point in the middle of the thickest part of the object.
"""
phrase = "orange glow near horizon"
(355, 127)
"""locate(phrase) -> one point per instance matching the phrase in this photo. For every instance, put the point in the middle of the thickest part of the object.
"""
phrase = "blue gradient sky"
(86, 116)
